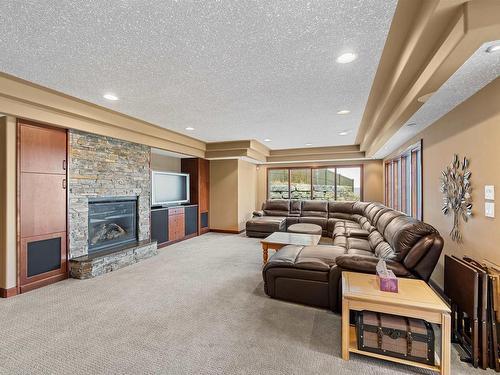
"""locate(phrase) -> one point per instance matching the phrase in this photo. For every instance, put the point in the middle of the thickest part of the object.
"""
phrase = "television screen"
(170, 188)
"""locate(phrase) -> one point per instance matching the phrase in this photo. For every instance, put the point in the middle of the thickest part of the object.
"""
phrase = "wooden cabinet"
(42, 205)
(199, 188)
(176, 224)
(172, 224)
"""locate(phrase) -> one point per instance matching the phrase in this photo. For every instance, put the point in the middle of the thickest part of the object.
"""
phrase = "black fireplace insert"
(112, 222)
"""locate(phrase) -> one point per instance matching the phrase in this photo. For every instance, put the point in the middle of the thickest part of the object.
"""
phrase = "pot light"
(112, 97)
(267, 140)
(493, 48)
(189, 128)
(309, 144)
(343, 112)
(346, 58)
(344, 132)
(425, 97)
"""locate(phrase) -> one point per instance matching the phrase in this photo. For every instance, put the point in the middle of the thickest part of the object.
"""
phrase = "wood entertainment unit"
(173, 224)
(199, 184)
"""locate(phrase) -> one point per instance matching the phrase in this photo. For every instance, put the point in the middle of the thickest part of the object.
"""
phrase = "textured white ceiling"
(230, 69)
(479, 70)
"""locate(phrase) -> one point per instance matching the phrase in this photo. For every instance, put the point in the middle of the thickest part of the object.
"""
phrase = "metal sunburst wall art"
(457, 198)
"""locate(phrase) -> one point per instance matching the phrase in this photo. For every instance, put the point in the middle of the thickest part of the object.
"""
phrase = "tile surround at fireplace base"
(92, 265)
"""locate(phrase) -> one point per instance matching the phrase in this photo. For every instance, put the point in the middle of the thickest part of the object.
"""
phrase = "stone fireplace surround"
(106, 167)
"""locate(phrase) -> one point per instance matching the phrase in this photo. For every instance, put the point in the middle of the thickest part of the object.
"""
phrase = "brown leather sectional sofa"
(363, 233)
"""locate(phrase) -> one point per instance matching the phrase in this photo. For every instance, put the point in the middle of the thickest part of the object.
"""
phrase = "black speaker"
(159, 225)
(44, 256)
(204, 220)
(190, 220)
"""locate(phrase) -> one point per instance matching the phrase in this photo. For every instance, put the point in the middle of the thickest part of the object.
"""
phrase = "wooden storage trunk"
(396, 336)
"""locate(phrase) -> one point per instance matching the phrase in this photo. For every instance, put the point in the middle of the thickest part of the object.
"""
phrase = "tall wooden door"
(42, 205)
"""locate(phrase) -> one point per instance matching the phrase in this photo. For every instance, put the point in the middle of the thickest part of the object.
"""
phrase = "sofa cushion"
(266, 224)
(276, 207)
(386, 217)
(295, 207)
(319, 257)
(403, 232)
(315, 209)
(358, 244)
(340, 207)
(359, 207)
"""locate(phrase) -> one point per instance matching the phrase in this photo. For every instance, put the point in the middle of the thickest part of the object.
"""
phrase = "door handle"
(64, 165)
(64, 183)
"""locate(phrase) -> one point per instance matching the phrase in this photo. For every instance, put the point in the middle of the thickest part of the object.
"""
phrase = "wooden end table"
(414, 300)
(279, 239)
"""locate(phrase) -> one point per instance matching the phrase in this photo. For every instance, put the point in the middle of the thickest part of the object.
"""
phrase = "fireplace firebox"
(112, 222)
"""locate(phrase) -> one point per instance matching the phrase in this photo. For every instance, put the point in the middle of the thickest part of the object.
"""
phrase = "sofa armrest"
(367, 264)
(258, 213)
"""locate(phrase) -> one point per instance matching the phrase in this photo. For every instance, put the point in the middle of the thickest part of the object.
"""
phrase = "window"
(325, 183)
(278, 183)
(300, 183)
(349, 184)
(403, 182)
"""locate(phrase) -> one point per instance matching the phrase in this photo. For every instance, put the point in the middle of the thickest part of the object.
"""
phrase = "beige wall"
(223, 213)
(247, 191)
(8, 268)
(165, 163)
(372, 178)
(473, 130)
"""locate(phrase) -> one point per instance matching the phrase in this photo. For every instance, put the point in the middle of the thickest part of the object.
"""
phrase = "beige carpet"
(196, 308)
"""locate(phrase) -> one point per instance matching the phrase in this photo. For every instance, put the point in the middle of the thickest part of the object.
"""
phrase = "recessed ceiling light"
(112, 97)
(309, 144)
(493, 48)
(189, 128)
(344, 132)
(346, 58)
(343, 112)
(411, 124)
(267, 140)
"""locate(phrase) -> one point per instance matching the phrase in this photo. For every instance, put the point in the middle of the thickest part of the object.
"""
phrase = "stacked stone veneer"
(105, 167)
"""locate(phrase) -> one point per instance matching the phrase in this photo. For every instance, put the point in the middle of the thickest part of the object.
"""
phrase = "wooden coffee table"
(415, 299)
(279, 239)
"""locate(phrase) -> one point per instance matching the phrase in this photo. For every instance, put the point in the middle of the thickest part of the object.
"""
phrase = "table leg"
(345, 329)
(264, 253)
(445, 344)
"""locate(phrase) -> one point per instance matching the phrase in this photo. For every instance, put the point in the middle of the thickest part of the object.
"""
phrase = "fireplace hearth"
(112, 222)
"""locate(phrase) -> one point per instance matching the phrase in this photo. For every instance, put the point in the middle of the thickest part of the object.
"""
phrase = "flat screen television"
(169, 188)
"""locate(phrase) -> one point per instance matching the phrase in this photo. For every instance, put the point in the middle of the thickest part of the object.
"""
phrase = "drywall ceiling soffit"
(171, 154)
(393, 99)
(230, 70)
(23, 99)
(477, 72)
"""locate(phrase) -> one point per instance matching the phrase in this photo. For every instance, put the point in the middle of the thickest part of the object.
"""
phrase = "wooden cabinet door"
(176, 227)
(42, 150)
(42, 204)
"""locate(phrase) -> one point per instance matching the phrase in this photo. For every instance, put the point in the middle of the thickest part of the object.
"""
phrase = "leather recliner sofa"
(363, 233)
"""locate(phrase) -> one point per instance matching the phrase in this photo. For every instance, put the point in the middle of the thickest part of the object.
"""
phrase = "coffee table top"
(412, 292)
(285, 238)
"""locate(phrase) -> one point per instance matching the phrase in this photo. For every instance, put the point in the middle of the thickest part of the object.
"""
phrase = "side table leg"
(264, 253)
(345, 329)
(445, 344)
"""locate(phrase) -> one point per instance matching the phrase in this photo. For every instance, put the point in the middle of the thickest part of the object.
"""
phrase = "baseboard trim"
(229, 231)
(6, 293)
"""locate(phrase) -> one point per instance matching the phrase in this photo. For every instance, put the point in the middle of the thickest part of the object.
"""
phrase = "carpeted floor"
(196, 308)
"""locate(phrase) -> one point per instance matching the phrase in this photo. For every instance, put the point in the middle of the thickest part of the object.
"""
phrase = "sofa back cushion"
(385, 218)
(403, 232)
(340, 210)
(276, 207)
(315, 209)
(359, 207)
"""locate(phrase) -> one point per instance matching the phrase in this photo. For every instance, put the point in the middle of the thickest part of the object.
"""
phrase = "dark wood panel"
(191, 165)
(23, 261)
(204, 185)
(42, 150)
(42, 204)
